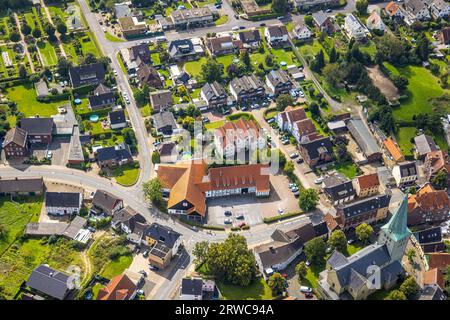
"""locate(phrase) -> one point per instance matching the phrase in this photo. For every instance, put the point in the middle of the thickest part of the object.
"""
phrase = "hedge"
(264, 16)
(100, 112)
(282, 217)
(84, 90)
(203, 226)
(54, 98)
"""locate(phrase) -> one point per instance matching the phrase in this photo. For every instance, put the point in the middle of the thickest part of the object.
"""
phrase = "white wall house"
(405, 173)
(63, 203)
(275, 34)
(354, 29)
(302, 32)
(374, 22)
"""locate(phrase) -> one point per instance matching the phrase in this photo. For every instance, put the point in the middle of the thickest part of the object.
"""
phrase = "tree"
(308, 199)
(63, 66)
(396, 295)
(411, 253)
(409, 287)
(361, 7)
(130, 138)
(276, 283)
(289, 168)
(319, 62)
(440, 180)
(423, 47)
(22, 71)
(36, 33)
(14, 36)
(363, 232)
(232, 71)
(61, 27)
(314, 108)
(245, 57)
(211, 71)
(301, 270)
(315, 250)
(156, 157)
(309, 21)
(49, 29)
(26, 30)
(338, 241)
(283, 101)
(152, 191)
(3, 232)
(333, 56)
(231, 261)
(200, 252)
(269, 60)
(279, 6)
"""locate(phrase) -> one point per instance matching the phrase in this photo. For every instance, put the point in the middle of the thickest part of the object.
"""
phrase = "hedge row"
(100, 112)
(264, 16)
(282, 217)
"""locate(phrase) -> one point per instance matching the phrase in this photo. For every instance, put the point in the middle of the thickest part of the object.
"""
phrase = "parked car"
(294, 189)
(270, 120)
(91, 229)
(293, 155)
(319, 180)
(242, 27)
(228, 213)
(328, 10)
(140, 292)
(350, 241)
(299, 160)
(153, 268)
(240, 216)
(297, 194)
(284, 141)
(307, 263)
(305, 289)
(156, 143)
(309, 295)
(49, 154)
(145, 254)
(235, 28)
(262, 24)
(143, 273)
(228, 221)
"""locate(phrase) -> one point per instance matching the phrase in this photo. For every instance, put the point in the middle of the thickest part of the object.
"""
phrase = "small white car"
(318, 180)
(236, 28)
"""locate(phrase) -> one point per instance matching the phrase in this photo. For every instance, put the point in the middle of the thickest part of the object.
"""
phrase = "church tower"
(395, 233)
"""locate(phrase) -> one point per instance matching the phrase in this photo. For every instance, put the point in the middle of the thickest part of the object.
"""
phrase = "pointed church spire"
(397, 228)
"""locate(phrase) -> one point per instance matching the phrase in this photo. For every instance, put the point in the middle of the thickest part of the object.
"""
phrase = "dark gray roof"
(319, 17)
(163, 234)
(372, 255)
(164, 119)
(119, 152)
(49, 281)
(337, 259)
(277, 252)
(246, 83)
(432, 292)
(192, 286)
(365, 205)
(37, 126)
(407, 168)
(415, 6)
(123, 215)
(277, 77)
(317, 146)
(160, 99)
(16, 135)
(87, 74)
(101, 89)
(141, 51)
(277, 31)
(105, 200)
(321, 229)
(21, 185)
(167, 148)
(250, 36)
(430, 235)
(117, 117)
(338, 187)
(62, 199)
(213, 90)
(102, 95)
(181, 47)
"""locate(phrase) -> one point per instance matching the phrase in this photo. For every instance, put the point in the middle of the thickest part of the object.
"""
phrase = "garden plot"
(383, 83)
(48, 53)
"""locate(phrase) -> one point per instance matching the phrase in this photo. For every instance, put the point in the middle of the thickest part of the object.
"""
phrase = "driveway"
(294, 286)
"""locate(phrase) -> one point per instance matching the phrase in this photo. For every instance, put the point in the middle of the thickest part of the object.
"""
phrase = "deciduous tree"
(276, 283)
(152, 191)
(308, 199)
(363, 232)
(315, 250)
(338, 241)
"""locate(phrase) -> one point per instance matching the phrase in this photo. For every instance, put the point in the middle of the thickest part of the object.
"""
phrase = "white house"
(354, 29)
(416, 10)
(405, 173)
(374, 22)
(440, 9)
(301, 32)
(117, 119)
(276, 34)
(289, 117)
(63, 203)
(197, 289)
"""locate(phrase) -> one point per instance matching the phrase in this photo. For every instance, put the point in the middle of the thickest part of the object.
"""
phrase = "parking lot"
(59, 148)
(254, 209)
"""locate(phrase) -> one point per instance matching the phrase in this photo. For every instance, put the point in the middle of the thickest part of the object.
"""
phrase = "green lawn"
(25, 97)
(312, 277)
(285, 56)
(155, 58)
(88, 45)
(348, 169)
(369, 48)
(222, 20)
(126, 175)
(145, 110)
(17, 263)
(15, 215)
(195, 67)
(226, 60)
(48, 54)
(214, 125)
(403, 137)
(257, 290)
(116, 267)
(354, 248)
(311, 49)
(57, 10)
(95, 289)
(422, 87)
(113, 38)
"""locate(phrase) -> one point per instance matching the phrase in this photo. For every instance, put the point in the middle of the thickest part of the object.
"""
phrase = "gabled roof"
(50, 282)
(119, 288)
(430, 235)
(393, 149)
(305, 127)
(250, 36)
(93, 72)
(16, 135)
(317, 146)
(338, 186)
(105, 200)
(428, 199)
(163, 234)
(160, 99)
(320, 17)
(277, 31)
(365, 205)
(164, 119)
(363, 137)
(432, 292)
(37, 126)
(118, 153)
(337, 259)
(213, 90)
(63, 199)
(278, 77)
(407, 168)
(141, 50)
(21, 185)
(424, 144)
(392, 8)
(368, 181)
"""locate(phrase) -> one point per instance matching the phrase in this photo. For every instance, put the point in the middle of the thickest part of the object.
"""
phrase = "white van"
(305, 289)
(161, 39)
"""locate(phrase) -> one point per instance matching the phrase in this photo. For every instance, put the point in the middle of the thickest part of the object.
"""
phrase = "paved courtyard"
(254, 209)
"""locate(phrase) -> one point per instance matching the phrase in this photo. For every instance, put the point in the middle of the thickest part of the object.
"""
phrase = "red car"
(242, 224)
(309, 295)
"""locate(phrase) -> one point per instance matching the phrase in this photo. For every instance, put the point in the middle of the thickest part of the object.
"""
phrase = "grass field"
(282, 55)
(155, 59)
(403, 137)
(15, 215)
(48, 54)
(116, 267)
(25, 97)
(214, 125)
(257, 290)
(222, 20)
(422, 86)
(348, 169)
(195, 67)
(113, 38)
(311, 49)
(126, 175)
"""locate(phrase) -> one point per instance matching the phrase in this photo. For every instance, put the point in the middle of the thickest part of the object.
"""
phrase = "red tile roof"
(119, 288)
(368, 181)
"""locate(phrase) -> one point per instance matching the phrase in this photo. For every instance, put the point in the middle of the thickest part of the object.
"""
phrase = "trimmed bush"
(282, 217)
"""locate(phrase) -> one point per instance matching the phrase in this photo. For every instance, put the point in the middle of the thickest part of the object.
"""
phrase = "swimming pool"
(94, 118)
